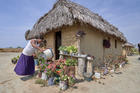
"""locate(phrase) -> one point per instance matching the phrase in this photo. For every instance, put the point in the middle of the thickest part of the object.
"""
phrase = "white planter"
(97, 75)
(112, 71)
(61, 52)
(120, 66)
(44, 76)
(62, 85)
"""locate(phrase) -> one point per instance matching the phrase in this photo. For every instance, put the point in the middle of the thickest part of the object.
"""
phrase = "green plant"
(70, 62)
(15, 59)
(134, 51)
(42, 82)
(62, 48)
(71, 49)
(64, 78)
(71, 81)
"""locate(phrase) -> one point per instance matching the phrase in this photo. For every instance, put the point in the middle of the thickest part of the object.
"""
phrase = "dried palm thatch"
(67, 13)
(128, 44)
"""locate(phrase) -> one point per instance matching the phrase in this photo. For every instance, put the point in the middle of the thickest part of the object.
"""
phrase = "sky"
(17, 16)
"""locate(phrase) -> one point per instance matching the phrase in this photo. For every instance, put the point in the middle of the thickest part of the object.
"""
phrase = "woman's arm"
(35, 46)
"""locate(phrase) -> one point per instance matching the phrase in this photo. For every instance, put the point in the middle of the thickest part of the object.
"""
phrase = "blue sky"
(17, 16)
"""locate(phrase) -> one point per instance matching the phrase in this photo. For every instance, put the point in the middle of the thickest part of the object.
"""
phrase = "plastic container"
(48, 53)
(51, 81)
(44, 76)
(97, 75)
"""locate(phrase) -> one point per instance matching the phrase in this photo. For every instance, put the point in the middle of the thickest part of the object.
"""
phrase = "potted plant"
(50, 74)
(15, 59)
(63, 82)
(71, 62)
(51, 71)
(71, 80)
(61, 49)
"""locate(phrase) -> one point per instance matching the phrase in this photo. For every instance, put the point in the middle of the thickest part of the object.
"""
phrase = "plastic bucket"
(48, 53)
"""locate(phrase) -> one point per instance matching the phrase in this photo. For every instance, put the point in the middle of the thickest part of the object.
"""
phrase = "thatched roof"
(128, 44)
(66, 13)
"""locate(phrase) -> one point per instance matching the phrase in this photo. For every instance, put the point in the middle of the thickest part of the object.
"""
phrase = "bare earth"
(127, 82)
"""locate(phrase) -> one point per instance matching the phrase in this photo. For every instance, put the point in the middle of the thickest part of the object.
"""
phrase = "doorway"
(57, 44)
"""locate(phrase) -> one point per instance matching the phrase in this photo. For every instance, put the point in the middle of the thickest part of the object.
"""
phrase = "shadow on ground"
(25, 78)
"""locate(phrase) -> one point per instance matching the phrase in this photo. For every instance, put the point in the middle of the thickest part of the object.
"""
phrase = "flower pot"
(97, 75)
(61, 52)
(51, 81)
(72, 54)
(65, 52)
(44, 76)
(14, 61)
(88, 76)
(63, 85)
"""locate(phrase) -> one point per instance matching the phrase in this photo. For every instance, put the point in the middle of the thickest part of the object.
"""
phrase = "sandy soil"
(126, 82)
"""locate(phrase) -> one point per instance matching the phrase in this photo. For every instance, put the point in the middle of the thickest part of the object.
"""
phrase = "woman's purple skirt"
(25, 65)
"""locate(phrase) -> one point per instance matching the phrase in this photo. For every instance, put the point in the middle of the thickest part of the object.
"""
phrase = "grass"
(42, 82)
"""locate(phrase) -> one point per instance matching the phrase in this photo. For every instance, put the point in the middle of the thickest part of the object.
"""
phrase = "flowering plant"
(43, 66)
(51, 69)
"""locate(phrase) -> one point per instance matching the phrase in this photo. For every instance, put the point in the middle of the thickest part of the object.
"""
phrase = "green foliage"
(62, 48)
(69, 49)
(10, 47)
(50, 73)
(15, 59)
(19, 47)
(71, 81)
(71, 62)
(64, 78)
(42, 82)
(134, 51)
(72, 49)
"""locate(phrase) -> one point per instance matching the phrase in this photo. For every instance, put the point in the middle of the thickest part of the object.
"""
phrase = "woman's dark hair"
(39, 37)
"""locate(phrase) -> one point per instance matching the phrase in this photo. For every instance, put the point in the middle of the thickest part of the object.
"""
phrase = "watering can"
(48, 53)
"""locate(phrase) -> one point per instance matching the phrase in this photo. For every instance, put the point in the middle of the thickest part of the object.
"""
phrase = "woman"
(25, 65)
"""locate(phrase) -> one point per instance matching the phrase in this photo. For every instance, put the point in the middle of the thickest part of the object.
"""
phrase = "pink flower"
(41, 65)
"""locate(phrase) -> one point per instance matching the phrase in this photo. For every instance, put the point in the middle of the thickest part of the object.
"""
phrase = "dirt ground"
(128, 81)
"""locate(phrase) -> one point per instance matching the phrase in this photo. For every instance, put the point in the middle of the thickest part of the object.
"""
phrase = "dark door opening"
(57, 44)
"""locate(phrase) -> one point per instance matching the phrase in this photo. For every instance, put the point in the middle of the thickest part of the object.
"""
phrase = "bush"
(134, 51)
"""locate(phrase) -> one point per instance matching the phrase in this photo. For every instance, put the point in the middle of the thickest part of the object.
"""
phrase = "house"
(62, 23)
(127, 49)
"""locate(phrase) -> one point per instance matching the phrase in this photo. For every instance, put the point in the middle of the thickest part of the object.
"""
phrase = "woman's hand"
(41, 50)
